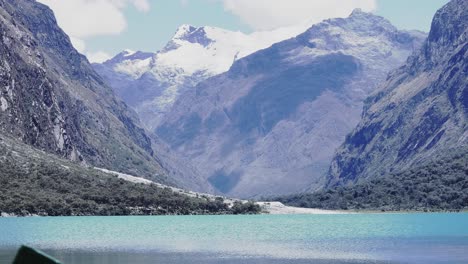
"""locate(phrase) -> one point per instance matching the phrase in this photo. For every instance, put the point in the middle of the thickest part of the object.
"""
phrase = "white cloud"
(98, 57)
(79, 44)
(271, 14)
(83, 19)
(184, 3)
(142, 5)
(88, 18)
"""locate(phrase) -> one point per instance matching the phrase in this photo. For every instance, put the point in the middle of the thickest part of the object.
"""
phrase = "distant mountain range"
(352, 109)
(152, 82)
(271, 124)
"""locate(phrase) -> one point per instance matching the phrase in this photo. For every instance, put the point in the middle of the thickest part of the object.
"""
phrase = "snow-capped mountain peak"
(130, 63)
(211, 50)
(182, 30)
(188, 33)
(192, 55)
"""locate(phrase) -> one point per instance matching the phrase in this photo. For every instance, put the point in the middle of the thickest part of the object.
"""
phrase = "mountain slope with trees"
(33, 182)
(52, 99)
(421, 112)
(439, 186)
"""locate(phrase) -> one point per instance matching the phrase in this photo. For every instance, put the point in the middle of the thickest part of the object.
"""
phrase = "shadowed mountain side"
(271, 124)
(420, 113)
(52, 99)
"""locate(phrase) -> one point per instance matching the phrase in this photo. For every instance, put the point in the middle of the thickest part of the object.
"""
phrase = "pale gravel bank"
(136, 179)
(279, 208)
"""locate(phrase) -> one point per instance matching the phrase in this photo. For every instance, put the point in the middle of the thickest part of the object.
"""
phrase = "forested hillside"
(440, 186)
(34, 182)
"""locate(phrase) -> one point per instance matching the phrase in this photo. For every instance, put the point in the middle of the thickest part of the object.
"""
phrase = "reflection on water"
(360, 238)
(174, 258)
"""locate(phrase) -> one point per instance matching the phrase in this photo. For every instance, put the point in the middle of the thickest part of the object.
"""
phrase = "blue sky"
(148, 24)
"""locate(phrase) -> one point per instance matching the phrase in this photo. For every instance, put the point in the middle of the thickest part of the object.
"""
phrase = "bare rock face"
(52, 99)
(420, 113)
(271, 124)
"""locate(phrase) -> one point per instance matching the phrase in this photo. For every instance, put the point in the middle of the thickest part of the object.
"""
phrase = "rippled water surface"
(353, 238)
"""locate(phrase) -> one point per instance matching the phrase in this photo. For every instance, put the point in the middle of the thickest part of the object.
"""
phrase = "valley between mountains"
(346, 114)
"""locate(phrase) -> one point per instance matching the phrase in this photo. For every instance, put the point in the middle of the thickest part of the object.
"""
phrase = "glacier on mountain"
(151, 82)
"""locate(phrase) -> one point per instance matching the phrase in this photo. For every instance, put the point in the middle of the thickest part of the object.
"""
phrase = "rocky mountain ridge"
(52, 99)
(420, 113)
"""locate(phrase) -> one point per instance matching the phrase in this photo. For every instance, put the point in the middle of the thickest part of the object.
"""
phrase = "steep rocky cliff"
(420, 114)
(52, 99)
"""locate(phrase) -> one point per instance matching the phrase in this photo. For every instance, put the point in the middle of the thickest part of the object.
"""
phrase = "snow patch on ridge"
(3, 104)
(129, 52)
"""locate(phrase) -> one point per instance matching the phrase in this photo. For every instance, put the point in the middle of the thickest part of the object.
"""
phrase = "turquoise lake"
(352, 238)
